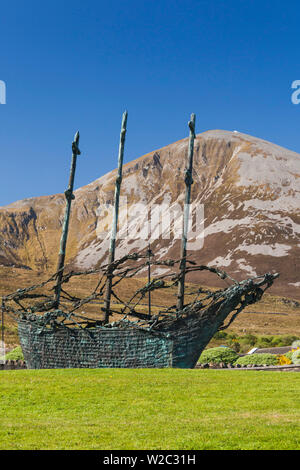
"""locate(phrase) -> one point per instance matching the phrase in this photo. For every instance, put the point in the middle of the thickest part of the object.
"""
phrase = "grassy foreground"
(149, 409)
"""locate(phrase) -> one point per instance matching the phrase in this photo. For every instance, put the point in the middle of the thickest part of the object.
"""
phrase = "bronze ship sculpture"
(55, 333)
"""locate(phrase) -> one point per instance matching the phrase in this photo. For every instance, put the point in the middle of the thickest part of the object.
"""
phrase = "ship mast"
(112, 247)
(149, 253)
(64, 236)
(188, 183)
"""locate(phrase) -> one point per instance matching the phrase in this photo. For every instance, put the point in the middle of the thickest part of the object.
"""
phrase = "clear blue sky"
(77, 64)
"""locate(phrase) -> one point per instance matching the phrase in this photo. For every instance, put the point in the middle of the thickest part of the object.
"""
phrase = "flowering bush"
(283, 360)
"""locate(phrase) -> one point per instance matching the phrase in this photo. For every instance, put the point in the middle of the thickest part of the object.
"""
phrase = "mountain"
(249, 189)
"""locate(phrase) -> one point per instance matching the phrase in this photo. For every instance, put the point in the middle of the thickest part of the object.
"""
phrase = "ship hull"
(172, 342)
(178, 346)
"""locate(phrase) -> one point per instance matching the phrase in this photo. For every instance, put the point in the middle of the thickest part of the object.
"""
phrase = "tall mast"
(2, 324)
(64, 236)
(112, 247)
(149, 253)
(188, 183)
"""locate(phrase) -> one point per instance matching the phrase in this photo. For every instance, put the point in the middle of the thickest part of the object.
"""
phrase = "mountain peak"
(249, 189)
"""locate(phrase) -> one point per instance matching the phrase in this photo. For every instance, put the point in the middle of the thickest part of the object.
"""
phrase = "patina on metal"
(2, 322)
(149, 252)
(188, 183)
(112, 247)
(64, 236)
(67, 337)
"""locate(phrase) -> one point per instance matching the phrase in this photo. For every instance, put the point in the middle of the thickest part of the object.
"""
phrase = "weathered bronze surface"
(188, 183)
(64, 236)
(112, 247)
(63, 337)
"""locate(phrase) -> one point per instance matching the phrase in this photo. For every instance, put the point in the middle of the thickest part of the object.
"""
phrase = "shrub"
(14, 355)
(289, 339)
(220, 335)
(273, 341)
(278, 342)
(283, 360)
(283, 340)
(232, 335)
(289, 355)
(264, 342)
(248, 339)
(296, 344)
(234, 344)
(258, 360)
(217, 355)
(296, 357)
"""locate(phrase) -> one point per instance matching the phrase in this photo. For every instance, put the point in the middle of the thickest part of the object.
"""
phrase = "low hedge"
(218, 355)
(265, 359)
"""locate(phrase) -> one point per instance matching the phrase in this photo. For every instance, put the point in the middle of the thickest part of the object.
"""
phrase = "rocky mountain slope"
(248, 188)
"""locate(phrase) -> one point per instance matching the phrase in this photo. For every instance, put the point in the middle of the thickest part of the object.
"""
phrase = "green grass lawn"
(149, 409)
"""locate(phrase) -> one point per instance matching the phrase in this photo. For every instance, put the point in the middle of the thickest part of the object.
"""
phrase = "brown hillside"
(250, 190)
